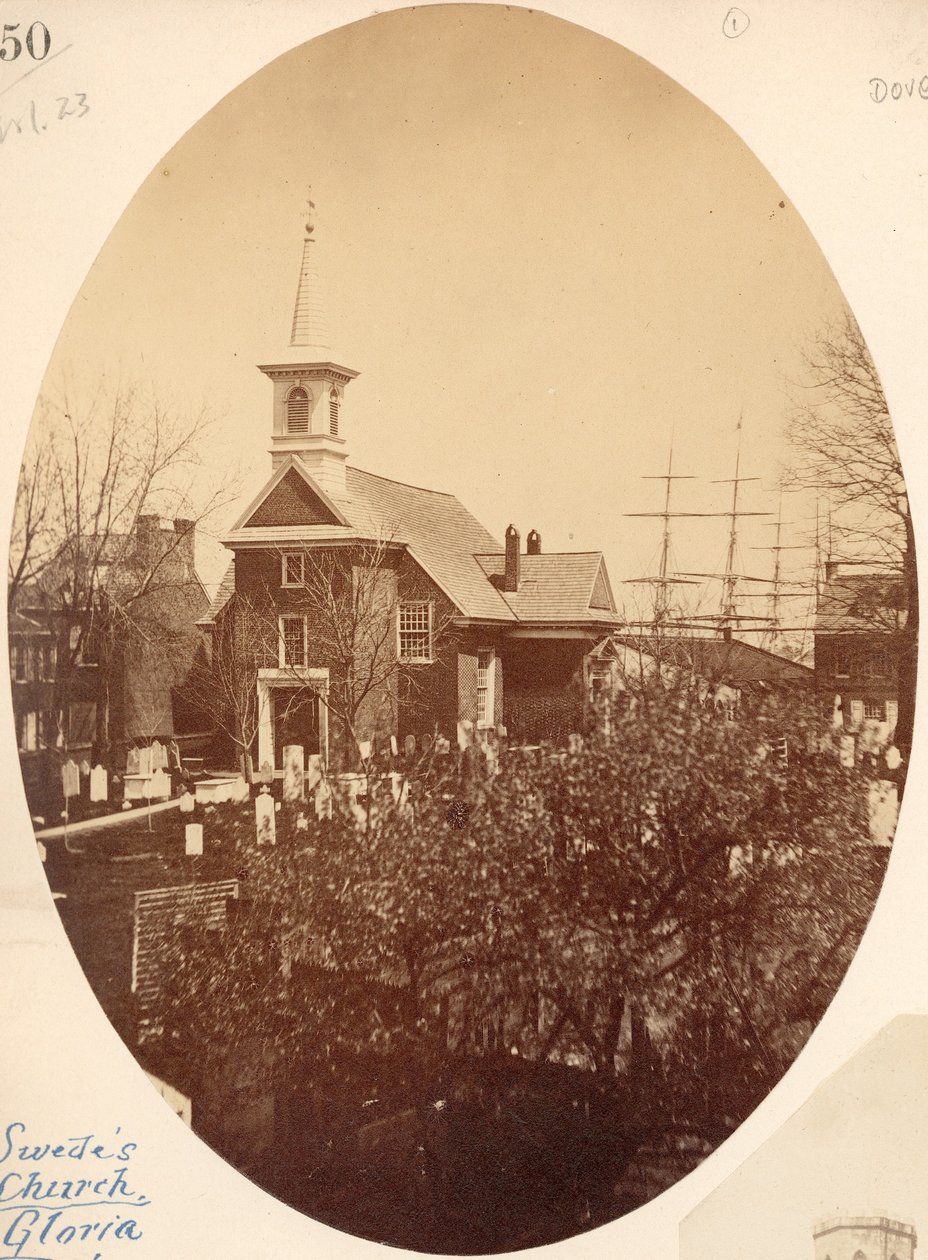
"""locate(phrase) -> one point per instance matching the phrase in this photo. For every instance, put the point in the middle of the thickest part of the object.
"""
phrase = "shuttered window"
(298, 411)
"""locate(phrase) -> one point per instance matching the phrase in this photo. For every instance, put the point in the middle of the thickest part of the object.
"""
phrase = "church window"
(293, 568)
(292, 641)
(298, 411)
(486, 669)
(415, 632)
(333, 411)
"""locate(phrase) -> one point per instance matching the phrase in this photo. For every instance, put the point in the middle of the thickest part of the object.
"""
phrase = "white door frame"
(293, 676)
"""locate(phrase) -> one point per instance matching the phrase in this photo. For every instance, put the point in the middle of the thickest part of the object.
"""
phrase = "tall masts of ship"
(728, 615)
(665, 578)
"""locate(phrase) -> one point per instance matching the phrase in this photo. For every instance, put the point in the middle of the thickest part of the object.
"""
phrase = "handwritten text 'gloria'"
(56, 1195)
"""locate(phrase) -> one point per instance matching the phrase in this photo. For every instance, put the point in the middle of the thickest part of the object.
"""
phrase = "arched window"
(298, 411)
(333, 411)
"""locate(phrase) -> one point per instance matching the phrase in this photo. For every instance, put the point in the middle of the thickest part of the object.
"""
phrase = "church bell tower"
(309, 387)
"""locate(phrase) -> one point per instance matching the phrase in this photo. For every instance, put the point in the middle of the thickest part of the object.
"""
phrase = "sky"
(543, 256)
(858, 1147)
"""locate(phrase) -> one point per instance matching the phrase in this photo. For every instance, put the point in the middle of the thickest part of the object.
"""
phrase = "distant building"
(864, 1238)
(859, 622)
(482, 634)
(73, 696)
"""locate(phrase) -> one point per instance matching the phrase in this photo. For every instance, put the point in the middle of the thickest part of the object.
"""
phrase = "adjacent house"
(96, 673)
(860, 617)
(458, 629)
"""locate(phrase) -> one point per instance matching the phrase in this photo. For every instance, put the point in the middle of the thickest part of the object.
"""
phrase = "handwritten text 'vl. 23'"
(57, 1197)
(34, 119)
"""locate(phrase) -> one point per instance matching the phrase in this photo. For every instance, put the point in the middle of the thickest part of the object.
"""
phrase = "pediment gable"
(293, 501)
(602, 595)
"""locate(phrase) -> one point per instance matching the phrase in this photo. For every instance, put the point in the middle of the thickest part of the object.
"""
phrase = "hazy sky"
(858, 1147)
(542, 255)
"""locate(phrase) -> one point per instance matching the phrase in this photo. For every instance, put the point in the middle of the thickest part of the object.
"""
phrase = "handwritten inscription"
(33, 119)
(74, 1191)
(898, 89)
(735, 24)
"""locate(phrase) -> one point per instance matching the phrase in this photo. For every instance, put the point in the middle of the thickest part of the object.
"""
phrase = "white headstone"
(464, 734)
(159, 756)
(266, 773)
(323, 800)
(364, 748)
(240, 791)
(70, 779)
(313, 772)
(187, 802)
(98, 784)
(132, 761)
(158, 787)
(145, 766)
(394, 746)
(293, 772)
(265, 822)
(893, 757)
(193, 839)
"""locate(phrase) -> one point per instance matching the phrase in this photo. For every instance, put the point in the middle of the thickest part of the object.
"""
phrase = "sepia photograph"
(463, 634)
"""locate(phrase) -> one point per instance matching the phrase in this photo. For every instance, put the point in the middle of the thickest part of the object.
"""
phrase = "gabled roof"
(446, 540)
(861, 602)
(556, 586)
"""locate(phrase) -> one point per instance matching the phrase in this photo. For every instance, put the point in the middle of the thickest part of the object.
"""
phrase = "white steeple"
(309, 387)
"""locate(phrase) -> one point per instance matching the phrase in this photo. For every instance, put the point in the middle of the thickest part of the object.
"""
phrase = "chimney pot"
(533, 543)
(513, 560)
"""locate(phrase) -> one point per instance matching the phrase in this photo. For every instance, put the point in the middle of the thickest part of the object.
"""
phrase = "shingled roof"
(446, 540)
(852, 603)
(556, 586)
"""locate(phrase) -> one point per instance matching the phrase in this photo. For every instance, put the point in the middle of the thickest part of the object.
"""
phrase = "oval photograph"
(463, 629)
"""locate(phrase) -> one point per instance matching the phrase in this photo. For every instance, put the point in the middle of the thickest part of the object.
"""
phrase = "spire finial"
(310, 212)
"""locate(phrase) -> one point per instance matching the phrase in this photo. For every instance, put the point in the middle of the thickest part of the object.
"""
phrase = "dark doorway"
(295, 715)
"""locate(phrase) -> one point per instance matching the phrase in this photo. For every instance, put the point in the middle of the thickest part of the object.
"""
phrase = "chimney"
(511, 577)
(185, 529)
(831, 570)
(533, 543)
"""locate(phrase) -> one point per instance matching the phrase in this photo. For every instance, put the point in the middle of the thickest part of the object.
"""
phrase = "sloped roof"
(446, 540)
(224, 592)
(855, 602)
(724, 660)
(553, 586)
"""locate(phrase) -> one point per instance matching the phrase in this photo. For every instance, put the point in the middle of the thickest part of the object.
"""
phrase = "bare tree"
(95, 471)
(845, 450)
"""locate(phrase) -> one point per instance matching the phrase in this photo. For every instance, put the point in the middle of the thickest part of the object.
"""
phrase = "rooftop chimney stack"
(533, 543)
(513, 560)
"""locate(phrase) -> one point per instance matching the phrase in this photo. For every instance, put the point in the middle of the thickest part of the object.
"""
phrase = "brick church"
(343, 579)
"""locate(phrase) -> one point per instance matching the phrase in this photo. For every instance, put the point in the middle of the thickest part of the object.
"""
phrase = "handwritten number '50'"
(37, 45)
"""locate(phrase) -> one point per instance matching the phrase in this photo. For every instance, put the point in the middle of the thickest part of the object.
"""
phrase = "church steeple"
(309, 387)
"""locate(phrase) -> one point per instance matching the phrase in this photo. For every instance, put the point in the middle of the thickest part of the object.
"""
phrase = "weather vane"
(310, 213)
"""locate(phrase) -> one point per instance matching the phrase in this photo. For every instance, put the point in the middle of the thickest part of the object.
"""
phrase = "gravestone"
(266, 773)
(240, 790)
(98, 784)
(265, 821)
(293, 772)
(187, 802)
(158, 787)
(442, 745)
(145, 761)
(132, 761)
(464, 734)
(364, 748)
(409, 746)
(313, 772)
(84, 768)
(159, 756)
(193, 839)
(575, 744)
(323, 800)
(425, 744)
(394, 746)
(70, 779)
